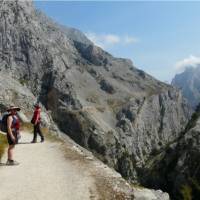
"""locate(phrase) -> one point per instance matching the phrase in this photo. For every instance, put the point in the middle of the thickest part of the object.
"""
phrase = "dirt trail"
(46, 171)
(59, 169)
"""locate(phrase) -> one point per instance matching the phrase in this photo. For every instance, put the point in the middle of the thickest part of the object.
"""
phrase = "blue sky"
(159, 37)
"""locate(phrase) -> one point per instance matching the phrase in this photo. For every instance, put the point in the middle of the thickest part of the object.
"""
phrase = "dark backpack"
(4, 123)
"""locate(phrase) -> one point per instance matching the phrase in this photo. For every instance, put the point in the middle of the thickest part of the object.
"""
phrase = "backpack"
(3, 125)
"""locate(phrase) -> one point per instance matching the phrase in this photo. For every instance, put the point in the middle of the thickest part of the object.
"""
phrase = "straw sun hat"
(12, 107)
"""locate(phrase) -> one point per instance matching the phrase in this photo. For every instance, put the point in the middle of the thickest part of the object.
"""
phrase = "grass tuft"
(186, 192)
(3, 145)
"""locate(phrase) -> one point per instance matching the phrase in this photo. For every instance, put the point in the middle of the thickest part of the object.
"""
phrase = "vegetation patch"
(23, 81)
(3, 145)
(186, 192)
(26, 126)
(100, 108)
(115, 104)
(193, 119)
(196, 184)
(48, 134)
(137, 186)
(93, 98)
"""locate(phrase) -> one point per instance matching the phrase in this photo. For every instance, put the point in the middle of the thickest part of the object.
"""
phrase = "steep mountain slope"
(189, 82)
(14, 92)
(105, 104)
(176, 169)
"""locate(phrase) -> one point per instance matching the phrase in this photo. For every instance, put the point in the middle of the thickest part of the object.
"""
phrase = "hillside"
(176, 169)
(189, 83)
(118, 112)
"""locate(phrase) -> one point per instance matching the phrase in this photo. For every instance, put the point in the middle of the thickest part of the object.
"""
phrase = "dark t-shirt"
(15, 128)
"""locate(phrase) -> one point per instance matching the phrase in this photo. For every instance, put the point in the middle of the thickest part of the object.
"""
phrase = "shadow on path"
(27, 143)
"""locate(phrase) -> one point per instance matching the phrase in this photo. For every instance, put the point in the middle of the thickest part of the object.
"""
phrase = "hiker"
(36, 120)
(12, 132)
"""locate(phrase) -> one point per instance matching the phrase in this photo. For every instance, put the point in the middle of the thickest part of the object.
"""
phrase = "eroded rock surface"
(176, 168)
(189, 83)
(105, 104)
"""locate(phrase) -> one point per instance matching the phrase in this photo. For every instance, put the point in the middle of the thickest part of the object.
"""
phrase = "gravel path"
(45, 172)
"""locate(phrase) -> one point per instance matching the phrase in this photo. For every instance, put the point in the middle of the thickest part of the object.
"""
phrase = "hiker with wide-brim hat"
(36, 121)
(12, 131)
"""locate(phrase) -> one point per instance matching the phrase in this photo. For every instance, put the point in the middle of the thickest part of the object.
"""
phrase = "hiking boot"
(12, 162)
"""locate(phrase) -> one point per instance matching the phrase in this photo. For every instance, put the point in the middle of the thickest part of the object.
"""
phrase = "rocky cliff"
(105, 104)
(176, 169)
(189, 83)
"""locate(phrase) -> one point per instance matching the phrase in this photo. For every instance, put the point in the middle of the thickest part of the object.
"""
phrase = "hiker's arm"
(9, 124)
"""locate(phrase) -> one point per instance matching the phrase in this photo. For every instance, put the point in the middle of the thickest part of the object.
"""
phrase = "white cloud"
(108, 40)
(191, 61)
(130, 40)
(111, 39)
(95, 39)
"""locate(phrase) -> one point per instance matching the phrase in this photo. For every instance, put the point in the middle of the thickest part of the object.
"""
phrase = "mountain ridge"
(189, 83)
(104, 103)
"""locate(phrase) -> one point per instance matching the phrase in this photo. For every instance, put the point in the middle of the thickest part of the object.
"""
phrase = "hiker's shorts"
(10, 142)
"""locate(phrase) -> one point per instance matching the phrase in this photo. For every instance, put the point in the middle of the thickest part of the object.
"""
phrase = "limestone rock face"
(189, 83)
(176, 168)
(148, 125)
(117, 111)
(14, 92)
(145, 194)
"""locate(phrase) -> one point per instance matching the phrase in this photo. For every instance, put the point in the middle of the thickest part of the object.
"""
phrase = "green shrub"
(3, 145)
(193, 119)
(23, 81)
(186, 192)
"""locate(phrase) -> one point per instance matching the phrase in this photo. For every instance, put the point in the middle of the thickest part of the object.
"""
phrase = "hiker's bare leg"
(10, 152)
